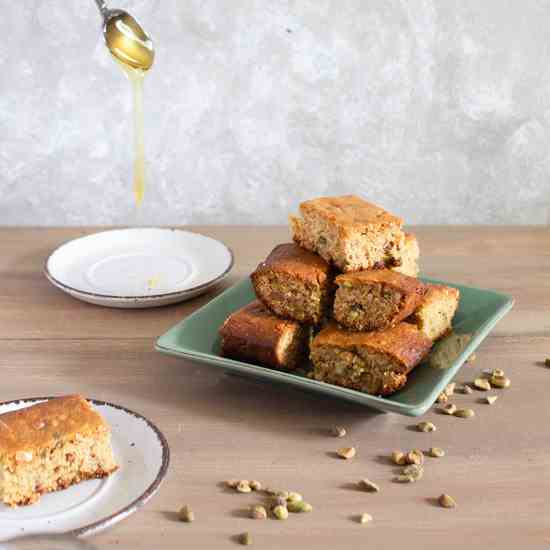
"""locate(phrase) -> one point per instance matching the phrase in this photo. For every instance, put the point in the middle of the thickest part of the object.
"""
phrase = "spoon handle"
(102, 6)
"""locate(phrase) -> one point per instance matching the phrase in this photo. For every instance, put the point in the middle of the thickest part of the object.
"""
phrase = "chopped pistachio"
(243, 486)
(482, 384)
(255, 485)
(498, 372)
(282, 494)
(294, 497)
(465, 389)
(339, 431)
(280, 512)
(450, 408)
(186, 514)
(398, 458)
(299, 507)
(258, 512)
(447, 501)
(346, 452)
(464, 413)
(436, 452)
(245, 539)
(402, 478)
(500, 382)
(414, 470)
(232, 483)
(416, 456)
(426, 427)
(365, 518)
(442, 398)
(491, 399)
(368, 485)
(270, 491)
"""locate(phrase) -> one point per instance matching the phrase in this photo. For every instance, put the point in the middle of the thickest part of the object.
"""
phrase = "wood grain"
(497, 465)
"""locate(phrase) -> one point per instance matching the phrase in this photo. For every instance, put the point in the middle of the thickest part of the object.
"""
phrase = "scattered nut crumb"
(365, 518)
(500, 381)
(402, 478)
(245, 539)
(232, 483)
(465, 389)
(282, 494)
(491, 399)
(450, 408)
(426, 427)
(346, 452)
(270, 491)
(258, 512)
(414, 470)
(436, 452)
(294, 497)
(299, 506)
(498, 373)
(339, 431)
(447, 501)
(255, 485)
(186, 514)
(482, 384)
(243, 486)
(398, 458)
(464, 413)
(416, 456)
(368, 485)
(280, 512)
(442, 398)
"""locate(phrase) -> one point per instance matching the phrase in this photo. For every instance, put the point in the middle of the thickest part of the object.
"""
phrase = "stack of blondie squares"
(344, 299)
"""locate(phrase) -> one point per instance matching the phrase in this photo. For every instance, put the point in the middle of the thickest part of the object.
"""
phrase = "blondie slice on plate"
(349, 231)
(371, 362)
(435, 314)
(376, 299)
(407, 258)
(255, 334)
(50, 446)
(294, 283)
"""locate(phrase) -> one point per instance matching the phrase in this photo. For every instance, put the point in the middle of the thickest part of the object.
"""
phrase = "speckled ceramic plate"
(139, 267)
(196, 338)
(84, 509)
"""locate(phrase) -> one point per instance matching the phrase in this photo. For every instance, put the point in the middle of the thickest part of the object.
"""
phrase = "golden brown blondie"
(50, 446)
(294, 283)
(407, 258)
(370, 362)
(376, 299)
(256, 335)
(349, 231)
(435, 313)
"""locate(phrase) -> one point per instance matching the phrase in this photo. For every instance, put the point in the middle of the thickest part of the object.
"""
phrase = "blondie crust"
(256, 335)
(372, 362)
(407, 258)
(435, 313)
(376, 299)
(349, 231)
(50, 446)
(294, 283)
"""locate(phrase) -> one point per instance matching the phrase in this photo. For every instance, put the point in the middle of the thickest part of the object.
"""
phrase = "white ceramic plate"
(142, 454)
(140, 267)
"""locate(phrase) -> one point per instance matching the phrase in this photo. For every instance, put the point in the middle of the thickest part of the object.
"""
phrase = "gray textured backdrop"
(439, 110)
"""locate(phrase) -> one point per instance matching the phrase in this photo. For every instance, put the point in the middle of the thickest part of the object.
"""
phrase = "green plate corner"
(196, 339)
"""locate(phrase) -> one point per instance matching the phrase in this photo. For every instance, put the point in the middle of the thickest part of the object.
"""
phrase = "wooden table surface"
(497, 465)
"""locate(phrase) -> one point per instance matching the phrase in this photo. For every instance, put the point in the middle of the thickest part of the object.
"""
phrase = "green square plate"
(196, 338)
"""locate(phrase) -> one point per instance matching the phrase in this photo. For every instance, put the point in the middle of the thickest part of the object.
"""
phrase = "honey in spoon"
(134, 52)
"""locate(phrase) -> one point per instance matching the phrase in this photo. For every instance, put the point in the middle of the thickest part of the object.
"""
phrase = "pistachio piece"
(436, 452)
(282, 494)
(464, 413)
(465, 389)
(299, 507)
(413, 470)
(258, 512)
(449, 389)
(450, 408)
(339, 431)
(426, 427)
(346, 452)
(446, 501)
(491, 399)
(365, 518)
(186, 514)
(280, 512)
(498, 373)
(500, 382)
(255, 485)
(294, 497)
(416, 456)
(402, 478)
(270, 491)
(482, 384)
(398, 458)
(368, 485)
(442, 398)
(245, 539)
(232, 483)
(243, 486)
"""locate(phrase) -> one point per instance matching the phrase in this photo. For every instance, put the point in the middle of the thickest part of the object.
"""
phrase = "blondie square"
(50, 446)
(376, 299)
(435, 313)
(294, 283)
(256, 335)
(407, 258)
(372, 362)
(349, 231)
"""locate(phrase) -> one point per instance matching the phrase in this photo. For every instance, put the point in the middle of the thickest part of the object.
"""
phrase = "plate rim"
(140, 297)
(153, 487)
(411, 409)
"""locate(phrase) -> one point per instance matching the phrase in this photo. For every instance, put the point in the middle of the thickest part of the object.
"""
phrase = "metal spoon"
(125, 38)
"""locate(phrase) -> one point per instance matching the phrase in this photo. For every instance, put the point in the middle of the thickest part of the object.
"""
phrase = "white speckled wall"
(439, 110)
